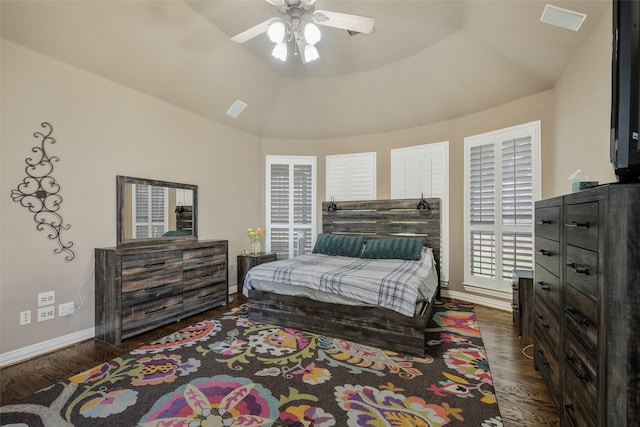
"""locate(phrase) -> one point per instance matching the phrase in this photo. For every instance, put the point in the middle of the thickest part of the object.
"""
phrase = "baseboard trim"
(43, 347)
(48, 346)
(477, 299)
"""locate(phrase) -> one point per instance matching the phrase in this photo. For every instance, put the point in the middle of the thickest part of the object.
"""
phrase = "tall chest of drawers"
(595, 372)
(548, 293)
(141, 288)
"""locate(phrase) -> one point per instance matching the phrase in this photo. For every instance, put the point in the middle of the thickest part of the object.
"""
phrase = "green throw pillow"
(338, 245)
(393, 248)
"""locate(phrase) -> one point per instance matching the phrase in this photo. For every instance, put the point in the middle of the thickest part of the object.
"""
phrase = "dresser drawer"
(548, 222)
(204, 276)
(147, 270)
(548, 325)
(580, 372)
(141, 317)
(582, 271)
(138, 295)
(576, 412)
(581, 225)
(547, 289)
(193, 259)
(548, 254)
(581, 320)
(546, 362)
(203, 298)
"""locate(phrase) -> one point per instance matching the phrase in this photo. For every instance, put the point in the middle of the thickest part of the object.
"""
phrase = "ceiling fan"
(297, 22)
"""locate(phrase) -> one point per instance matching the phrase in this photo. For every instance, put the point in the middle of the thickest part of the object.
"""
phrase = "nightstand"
(247, 262)
(522, 303)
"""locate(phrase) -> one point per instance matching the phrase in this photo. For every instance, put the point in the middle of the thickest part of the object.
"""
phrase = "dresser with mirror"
(159, 272)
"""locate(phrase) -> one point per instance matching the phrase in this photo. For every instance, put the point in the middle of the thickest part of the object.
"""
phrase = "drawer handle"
(205, 295)
(573, 313)
(577, 269)
(544, 222)
(152, 264)
(545, 252)
(155, 287)
(568, 408)
(544, 286)
(543, 359)
(164, 307)
(540, 320)
(572, 362)
(574, 224)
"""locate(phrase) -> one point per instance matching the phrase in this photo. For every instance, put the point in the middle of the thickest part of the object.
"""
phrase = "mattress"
(399, 285)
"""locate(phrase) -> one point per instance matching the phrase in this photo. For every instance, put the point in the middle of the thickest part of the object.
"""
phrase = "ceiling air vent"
(237, 108)
(564, 18)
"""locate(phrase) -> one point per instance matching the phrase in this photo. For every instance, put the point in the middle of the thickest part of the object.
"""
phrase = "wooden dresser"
(548, 293)
(141, 288)
(587, 304)
(522, 302)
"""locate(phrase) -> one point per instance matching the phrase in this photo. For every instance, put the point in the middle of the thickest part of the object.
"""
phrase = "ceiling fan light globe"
(280, 51)
(276, 32)
(311, 53)
(312, 33)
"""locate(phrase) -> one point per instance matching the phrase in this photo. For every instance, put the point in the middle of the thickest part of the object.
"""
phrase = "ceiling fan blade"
(252, 32)
(276, 2)
(345, 21)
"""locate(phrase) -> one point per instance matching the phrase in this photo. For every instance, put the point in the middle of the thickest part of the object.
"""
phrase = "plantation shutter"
(424, 170)
(501, 186)
(290, 229)
(150, 215)
(482, 205)
(351, 176)
(517, 204)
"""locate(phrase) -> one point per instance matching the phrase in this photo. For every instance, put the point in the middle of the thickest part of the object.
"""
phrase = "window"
(150, 211)
(351, 176)
(424, 170)
(502, 181)
(291, 205)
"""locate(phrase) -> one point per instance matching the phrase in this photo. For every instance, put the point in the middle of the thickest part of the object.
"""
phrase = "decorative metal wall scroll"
(39, 193)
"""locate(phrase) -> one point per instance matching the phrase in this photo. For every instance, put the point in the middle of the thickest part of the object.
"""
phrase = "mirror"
(151, 211)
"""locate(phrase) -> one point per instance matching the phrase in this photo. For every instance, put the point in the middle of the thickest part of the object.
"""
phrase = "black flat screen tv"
(625, 101)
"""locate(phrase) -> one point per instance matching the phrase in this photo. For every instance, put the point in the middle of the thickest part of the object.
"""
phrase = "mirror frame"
(121, 181)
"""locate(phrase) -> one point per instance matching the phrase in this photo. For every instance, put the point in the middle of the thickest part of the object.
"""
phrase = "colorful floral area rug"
(230, 371)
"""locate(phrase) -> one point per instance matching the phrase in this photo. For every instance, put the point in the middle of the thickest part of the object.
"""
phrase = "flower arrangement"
(255, 236)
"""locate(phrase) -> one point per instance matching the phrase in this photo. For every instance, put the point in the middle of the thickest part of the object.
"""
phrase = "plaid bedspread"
(389, 283)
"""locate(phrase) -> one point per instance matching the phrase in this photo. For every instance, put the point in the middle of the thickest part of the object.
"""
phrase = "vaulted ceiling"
(426, 61)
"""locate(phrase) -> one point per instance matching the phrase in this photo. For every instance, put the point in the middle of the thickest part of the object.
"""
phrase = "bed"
(325, 294)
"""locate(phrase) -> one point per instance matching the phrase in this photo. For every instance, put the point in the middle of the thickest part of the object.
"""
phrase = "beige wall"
(103, 130)
(537, 107)
(575, 127)
(583, 115)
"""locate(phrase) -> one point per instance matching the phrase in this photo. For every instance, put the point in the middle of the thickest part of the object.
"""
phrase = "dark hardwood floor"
(522, 396)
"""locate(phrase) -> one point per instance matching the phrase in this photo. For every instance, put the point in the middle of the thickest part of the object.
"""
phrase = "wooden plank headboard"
(386, 218)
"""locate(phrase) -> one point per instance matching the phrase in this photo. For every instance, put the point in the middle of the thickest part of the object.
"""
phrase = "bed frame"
(374, 326)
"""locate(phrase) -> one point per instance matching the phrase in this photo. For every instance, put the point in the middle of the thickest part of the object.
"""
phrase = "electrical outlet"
(46, 313)
(25, 317)
(46, 298)
(66, 309)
